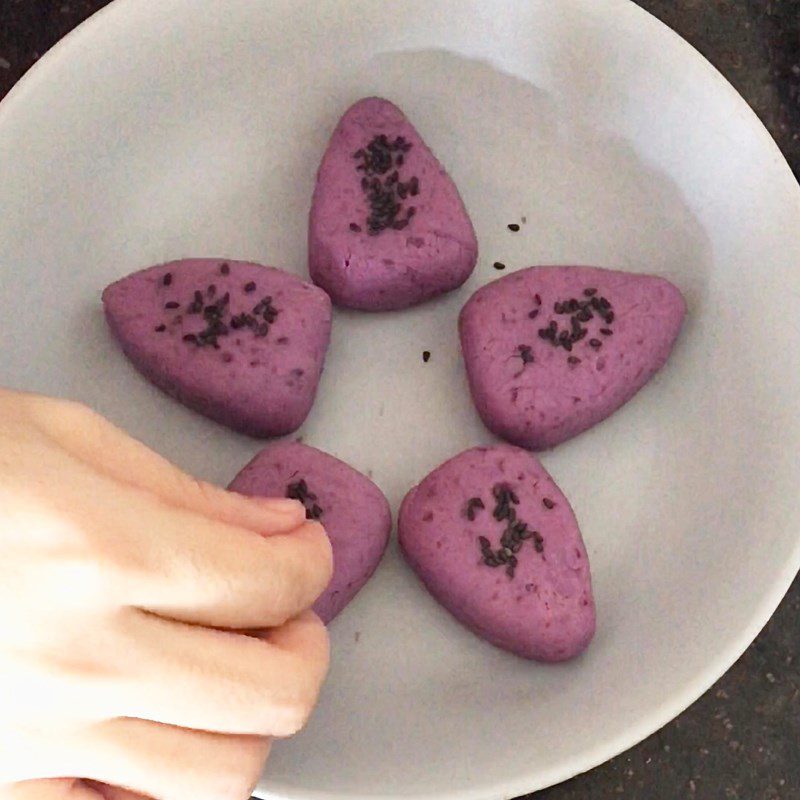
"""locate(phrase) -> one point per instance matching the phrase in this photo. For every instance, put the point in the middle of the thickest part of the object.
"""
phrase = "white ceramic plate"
(170, 128)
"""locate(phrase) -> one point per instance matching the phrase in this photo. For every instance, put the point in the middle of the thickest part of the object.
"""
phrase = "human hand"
(154, 630)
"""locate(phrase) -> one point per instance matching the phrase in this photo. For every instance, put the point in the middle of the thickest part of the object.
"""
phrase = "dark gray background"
(742, 739)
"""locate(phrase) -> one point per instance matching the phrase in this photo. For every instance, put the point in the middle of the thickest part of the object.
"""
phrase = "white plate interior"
(172, 128)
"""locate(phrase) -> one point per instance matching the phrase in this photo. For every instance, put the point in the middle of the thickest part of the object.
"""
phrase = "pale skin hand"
(154, 631)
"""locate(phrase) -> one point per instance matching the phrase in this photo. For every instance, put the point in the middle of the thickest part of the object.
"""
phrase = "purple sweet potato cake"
(349, 505)
(496, 543)
(551, 351)
(387, 228)
(241, 343)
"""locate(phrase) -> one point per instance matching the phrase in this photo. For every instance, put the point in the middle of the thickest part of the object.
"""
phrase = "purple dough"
(352, 508)
(241, 343)
(535, 599)
(388, 228)
(551, 351)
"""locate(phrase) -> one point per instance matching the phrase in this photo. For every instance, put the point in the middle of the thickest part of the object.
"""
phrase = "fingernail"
(281, 505)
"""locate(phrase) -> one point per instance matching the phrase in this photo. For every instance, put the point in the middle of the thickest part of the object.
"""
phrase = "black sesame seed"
(609, 317)
(548, 503)
(426, 356)
(499, 265)
(212, 290)
(250, 287)
(167, 279)
(525, 353)
(225, 269)
(484, 542)
(589, 292)
(574, 360)
(189, 337)
(533, 314)
(606, 331)
(513, 227)
(472, 504)
(160, 328)
(537, 299)
(172, 304)
(595, 343)
(499, 491)
(355, 227)
(604, 304)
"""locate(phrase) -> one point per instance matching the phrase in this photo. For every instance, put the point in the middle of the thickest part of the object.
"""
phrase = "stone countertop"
(741, 740)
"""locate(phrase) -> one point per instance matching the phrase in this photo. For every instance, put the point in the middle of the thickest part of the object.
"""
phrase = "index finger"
(189, 567)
